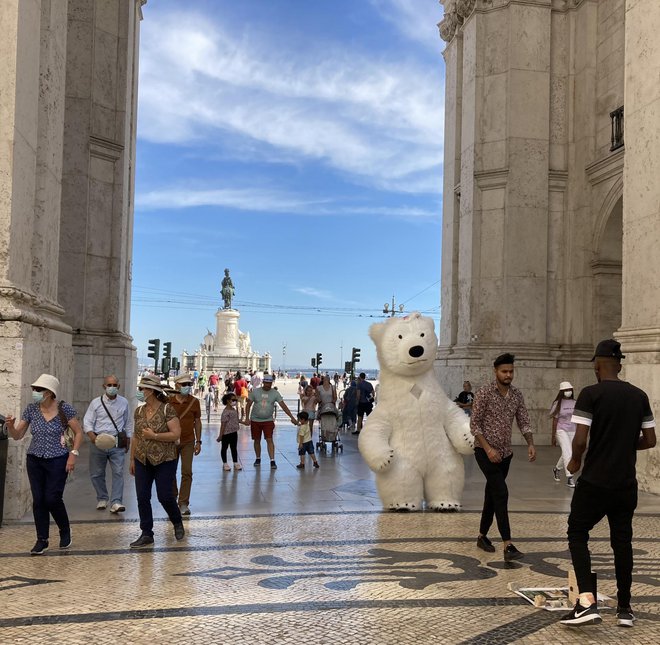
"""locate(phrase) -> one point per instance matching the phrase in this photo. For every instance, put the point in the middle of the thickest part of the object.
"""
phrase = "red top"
(315, 381)
(239, 385)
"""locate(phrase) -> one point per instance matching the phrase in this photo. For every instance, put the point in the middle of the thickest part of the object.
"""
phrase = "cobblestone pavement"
(308, 557)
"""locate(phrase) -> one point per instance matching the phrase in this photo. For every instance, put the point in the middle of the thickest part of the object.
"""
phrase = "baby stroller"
(330, 422)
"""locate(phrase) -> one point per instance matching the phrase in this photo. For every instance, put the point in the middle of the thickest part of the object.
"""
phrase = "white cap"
(565, 385)
(48, 382)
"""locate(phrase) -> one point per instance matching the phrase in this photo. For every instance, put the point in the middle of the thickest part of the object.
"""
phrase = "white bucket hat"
(48, 382)
(565, 385)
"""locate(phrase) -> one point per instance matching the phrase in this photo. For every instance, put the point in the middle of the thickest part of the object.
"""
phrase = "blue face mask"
(37, 397)
(139, 395)
(111, 390)
(185, 390)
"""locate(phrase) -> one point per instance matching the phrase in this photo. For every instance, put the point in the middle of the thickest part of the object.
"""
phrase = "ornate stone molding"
(456, 12)
(489, 179)
(605, 168)
(18, 305)
(639, 340)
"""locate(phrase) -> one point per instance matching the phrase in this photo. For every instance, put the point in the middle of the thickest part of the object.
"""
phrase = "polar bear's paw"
(382, 461)
(403, 507)
(444, 507)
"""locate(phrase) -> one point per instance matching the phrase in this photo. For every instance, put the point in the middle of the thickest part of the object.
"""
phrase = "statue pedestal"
(226, 335)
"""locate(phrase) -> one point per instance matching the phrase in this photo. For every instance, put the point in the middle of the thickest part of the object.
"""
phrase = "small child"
(305, 443)
(229, 431)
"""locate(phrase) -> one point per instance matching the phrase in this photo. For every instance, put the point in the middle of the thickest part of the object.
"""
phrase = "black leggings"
(496, 497)
(229, 441)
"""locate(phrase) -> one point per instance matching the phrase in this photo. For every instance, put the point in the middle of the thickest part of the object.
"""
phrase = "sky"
(298, 143)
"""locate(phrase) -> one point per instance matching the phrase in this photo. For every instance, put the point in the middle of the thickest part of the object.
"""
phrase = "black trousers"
(589, 506)
(47, 480)
(496, 495)
(229, 441)
(164, 475)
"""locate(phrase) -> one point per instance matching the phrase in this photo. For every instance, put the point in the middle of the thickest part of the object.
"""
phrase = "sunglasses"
(112, 385)
(38, 389)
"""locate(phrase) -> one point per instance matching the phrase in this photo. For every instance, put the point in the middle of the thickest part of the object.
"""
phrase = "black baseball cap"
(609, 348)
(504, 359)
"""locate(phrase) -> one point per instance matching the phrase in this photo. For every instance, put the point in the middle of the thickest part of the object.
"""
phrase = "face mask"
(139, 395)
(111, 390)
(185, 390)
(37, 397)
(568, 393)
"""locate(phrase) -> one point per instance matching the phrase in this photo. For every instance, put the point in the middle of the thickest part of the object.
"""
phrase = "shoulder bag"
(68, 435)
(122, 437)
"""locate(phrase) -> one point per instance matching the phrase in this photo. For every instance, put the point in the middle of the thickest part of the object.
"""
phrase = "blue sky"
(299, 144)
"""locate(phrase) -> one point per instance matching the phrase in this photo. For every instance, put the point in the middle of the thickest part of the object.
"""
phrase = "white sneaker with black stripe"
(581, 616)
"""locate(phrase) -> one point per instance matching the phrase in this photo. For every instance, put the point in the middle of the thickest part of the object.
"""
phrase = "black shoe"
(511, 553)
(179, 531)
(273, 465)
(355, 432)
(581, 616)
(257, 462)
(624, 617)
(65, 539)
(142, 541)
(316, 464)
(555, 473)
(484, 543)
(300, 466)
(40, 547)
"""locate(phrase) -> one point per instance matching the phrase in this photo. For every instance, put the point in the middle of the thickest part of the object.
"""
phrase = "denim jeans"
(164, 475)
(496, 496)
(98, 460)
(47, 479)
(589, 506)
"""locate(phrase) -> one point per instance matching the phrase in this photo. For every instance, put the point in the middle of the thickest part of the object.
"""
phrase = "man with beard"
(494, 408)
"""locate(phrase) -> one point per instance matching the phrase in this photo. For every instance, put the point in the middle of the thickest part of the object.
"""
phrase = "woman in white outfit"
(563, 430)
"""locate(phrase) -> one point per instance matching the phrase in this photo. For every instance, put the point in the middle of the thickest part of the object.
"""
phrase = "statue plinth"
(227, 334)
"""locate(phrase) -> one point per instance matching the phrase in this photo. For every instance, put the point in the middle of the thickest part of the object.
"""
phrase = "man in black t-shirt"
(365, 400)
(617, 418)
(465, 398)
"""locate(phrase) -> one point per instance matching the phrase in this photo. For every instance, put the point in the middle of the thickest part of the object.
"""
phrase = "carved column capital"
(456, 12)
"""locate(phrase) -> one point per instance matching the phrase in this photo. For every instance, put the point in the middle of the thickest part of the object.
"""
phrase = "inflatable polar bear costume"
(416, 435)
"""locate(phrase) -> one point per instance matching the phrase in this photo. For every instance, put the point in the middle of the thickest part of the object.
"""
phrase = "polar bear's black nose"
(416, 351)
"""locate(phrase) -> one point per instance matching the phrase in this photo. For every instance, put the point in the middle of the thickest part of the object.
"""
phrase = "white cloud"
(315, 293)
(415, 19)
(377, 121)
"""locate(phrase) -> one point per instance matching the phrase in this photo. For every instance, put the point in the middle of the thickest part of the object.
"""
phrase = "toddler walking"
(229, 431)
(305, 443)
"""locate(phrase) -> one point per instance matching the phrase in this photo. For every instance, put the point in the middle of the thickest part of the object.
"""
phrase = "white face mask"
(111, 390)
(37, 397)
(568, 393)
(185, 390)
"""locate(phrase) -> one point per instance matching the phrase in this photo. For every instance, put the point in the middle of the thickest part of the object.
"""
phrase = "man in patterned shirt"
(494, 408)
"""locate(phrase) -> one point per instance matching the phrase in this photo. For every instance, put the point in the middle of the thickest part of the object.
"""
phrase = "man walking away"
(107, 416)
(365, 400)
(617, 419)
(494, 408)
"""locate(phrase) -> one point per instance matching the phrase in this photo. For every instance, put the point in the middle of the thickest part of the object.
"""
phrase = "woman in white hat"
(154, 458)
(563, 430)
(49, 460)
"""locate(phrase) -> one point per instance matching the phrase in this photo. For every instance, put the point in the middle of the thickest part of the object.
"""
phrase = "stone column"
(33, 336)
(226, 335)
(640, 331)
(97, 192)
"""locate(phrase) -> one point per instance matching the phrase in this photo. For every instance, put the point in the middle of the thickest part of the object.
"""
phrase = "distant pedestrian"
(315, 381)
(241, 393)
(349, 406)
(49, 460)
(616, 419)
(365, 400)
(260, 412)
(305, 442)
(257, 379)
(154, 458)
(495, 407)
(465, 399)
(563, 429)
(228, 435)
(107, 418)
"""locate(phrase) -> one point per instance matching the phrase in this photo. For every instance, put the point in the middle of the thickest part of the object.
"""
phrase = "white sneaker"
(226, 467)
(117, 508)
(570, 482)
(101, 505)
(185, 509)
(238, 466)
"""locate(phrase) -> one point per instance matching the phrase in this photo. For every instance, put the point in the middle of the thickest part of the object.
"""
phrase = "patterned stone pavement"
(300, 557)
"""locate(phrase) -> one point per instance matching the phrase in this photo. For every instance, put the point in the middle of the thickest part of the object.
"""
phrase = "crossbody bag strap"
(60, 413)
(108, 413)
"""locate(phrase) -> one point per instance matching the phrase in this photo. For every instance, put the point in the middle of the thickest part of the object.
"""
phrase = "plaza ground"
(288, 556)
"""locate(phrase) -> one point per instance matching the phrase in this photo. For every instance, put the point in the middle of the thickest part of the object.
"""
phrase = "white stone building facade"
(68, 89)
(551, 219)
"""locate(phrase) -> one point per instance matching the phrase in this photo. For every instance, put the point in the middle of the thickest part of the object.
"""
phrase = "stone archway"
(606, 267)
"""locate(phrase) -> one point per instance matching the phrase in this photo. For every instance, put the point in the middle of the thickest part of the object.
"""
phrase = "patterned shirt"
(229, 421)
(493, 414)
(47, 436)
(156, 452)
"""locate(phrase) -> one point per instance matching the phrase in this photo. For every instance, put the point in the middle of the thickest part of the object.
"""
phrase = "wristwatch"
(75, 452)
(199, 441)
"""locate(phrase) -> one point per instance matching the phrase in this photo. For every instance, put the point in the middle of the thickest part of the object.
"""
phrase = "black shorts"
(365, 408)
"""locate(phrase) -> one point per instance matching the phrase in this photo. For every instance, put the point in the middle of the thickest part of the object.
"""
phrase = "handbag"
(68, 435)
(122, 437)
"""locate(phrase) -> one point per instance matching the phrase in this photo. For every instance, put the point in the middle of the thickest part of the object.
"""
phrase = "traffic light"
(355, 356)
(313, 362)
(176, 365)
(167, 350)
(348, 367)
(154, 350)
(319, 359)
(165, 366)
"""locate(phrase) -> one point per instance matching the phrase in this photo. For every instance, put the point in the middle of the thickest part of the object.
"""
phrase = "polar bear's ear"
(376, 332)
(413, 316)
